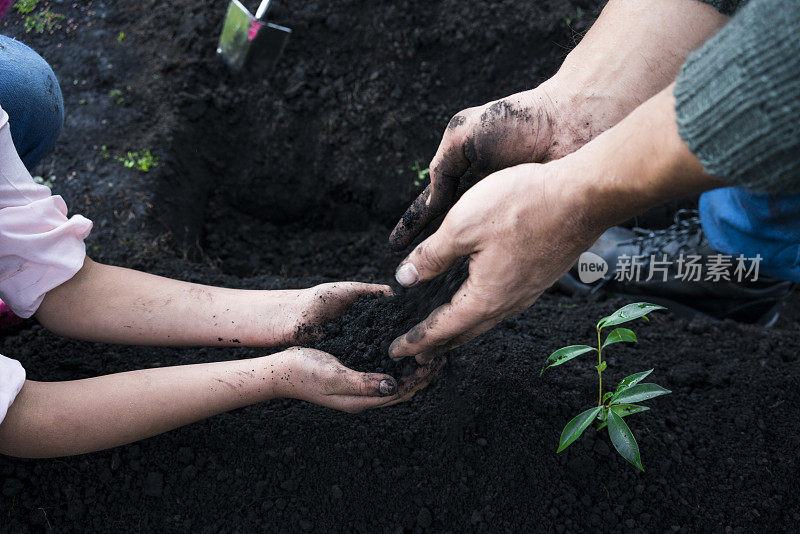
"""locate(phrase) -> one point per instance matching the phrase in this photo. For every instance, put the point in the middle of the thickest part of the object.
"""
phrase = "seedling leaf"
(601, 367)
(576, 426)
(565, 354)
(638, 393)
(618, 335)
(623, 440)
(606, 395)
(632, 380)
(624, 410)
(628, 313)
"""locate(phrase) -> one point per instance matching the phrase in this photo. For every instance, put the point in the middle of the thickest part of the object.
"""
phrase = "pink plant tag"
(255, 25)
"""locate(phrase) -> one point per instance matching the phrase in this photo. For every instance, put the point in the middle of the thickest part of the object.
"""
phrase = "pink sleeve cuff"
(40, 248)
(12, 377)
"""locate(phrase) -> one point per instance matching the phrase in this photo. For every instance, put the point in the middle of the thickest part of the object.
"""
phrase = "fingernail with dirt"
(407, 275)
(387, 387)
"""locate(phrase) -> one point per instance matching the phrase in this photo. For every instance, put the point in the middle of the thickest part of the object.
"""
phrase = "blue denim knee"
(30, 94)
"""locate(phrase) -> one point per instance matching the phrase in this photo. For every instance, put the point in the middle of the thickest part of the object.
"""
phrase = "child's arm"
(116, 305)
(65, 418)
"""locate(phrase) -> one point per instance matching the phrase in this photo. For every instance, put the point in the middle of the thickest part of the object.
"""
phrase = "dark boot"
(676, 267)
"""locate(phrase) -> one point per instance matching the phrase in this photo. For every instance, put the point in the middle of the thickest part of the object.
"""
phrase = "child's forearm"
(116, 305)
(65, 418)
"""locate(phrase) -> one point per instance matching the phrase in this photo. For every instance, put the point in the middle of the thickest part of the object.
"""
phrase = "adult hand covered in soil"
(603, 79)
(524, 227)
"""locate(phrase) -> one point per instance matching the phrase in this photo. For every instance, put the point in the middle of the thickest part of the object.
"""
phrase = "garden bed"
(293, 179)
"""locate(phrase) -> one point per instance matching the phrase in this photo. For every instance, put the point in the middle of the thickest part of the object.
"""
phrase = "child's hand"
(315, 306)
(80, 416)
(318, 377)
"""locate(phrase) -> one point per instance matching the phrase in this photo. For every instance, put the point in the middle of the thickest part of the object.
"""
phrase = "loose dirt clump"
(361, 337)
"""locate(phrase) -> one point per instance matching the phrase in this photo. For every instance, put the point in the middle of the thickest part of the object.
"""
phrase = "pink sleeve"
(4, 5)
(40, 248)
(12, 377)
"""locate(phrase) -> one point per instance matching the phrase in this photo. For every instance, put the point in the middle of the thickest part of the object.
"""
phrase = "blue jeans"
(738, 221)
(30, 94)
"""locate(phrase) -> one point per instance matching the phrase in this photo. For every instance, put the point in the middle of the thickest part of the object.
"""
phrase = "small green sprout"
(24, 7)
(611, 406)
(141, 161)
(579, 13)
(422, 174)
(120, 37)
(41, 21)
(47, 182)
(116, 94)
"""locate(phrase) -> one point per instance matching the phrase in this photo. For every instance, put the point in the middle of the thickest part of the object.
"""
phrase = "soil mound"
(361, 337)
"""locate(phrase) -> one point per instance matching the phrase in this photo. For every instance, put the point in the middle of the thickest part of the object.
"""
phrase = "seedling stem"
(613, 406)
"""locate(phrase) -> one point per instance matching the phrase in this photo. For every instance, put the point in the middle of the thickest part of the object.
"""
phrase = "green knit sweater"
(738, 97)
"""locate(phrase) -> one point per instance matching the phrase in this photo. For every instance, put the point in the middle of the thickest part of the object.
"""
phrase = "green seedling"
(42, 21)
(422, 174)
(579, 13)
(24, 7)
(120, 37)
(612, 406)
(141, 161)
(47, 182)
(116, 94)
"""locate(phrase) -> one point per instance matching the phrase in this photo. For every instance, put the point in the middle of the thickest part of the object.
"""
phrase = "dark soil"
(291, 179)
(364, 332)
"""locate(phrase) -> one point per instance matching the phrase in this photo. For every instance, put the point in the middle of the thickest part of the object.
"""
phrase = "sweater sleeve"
(726, 7)
(738, 99)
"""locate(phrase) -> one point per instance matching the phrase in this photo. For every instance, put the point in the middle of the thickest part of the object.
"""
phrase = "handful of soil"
(360, 338)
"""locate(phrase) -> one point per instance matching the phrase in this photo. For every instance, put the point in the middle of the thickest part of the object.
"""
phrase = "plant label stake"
(247, 41)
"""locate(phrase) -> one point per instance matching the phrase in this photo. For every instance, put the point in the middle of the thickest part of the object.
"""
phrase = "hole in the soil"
(222, 200)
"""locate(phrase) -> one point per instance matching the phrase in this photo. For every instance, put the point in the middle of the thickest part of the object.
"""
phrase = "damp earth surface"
(293, 177)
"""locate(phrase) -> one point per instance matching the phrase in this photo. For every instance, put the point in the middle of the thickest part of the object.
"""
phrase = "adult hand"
(521, 128)
(320, 378)
(617, 66)
(524, 227)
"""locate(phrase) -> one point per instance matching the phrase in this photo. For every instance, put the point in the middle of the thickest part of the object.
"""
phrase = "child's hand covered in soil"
(65, 418)
(615, 67)
(318, 377)
(315, 306)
